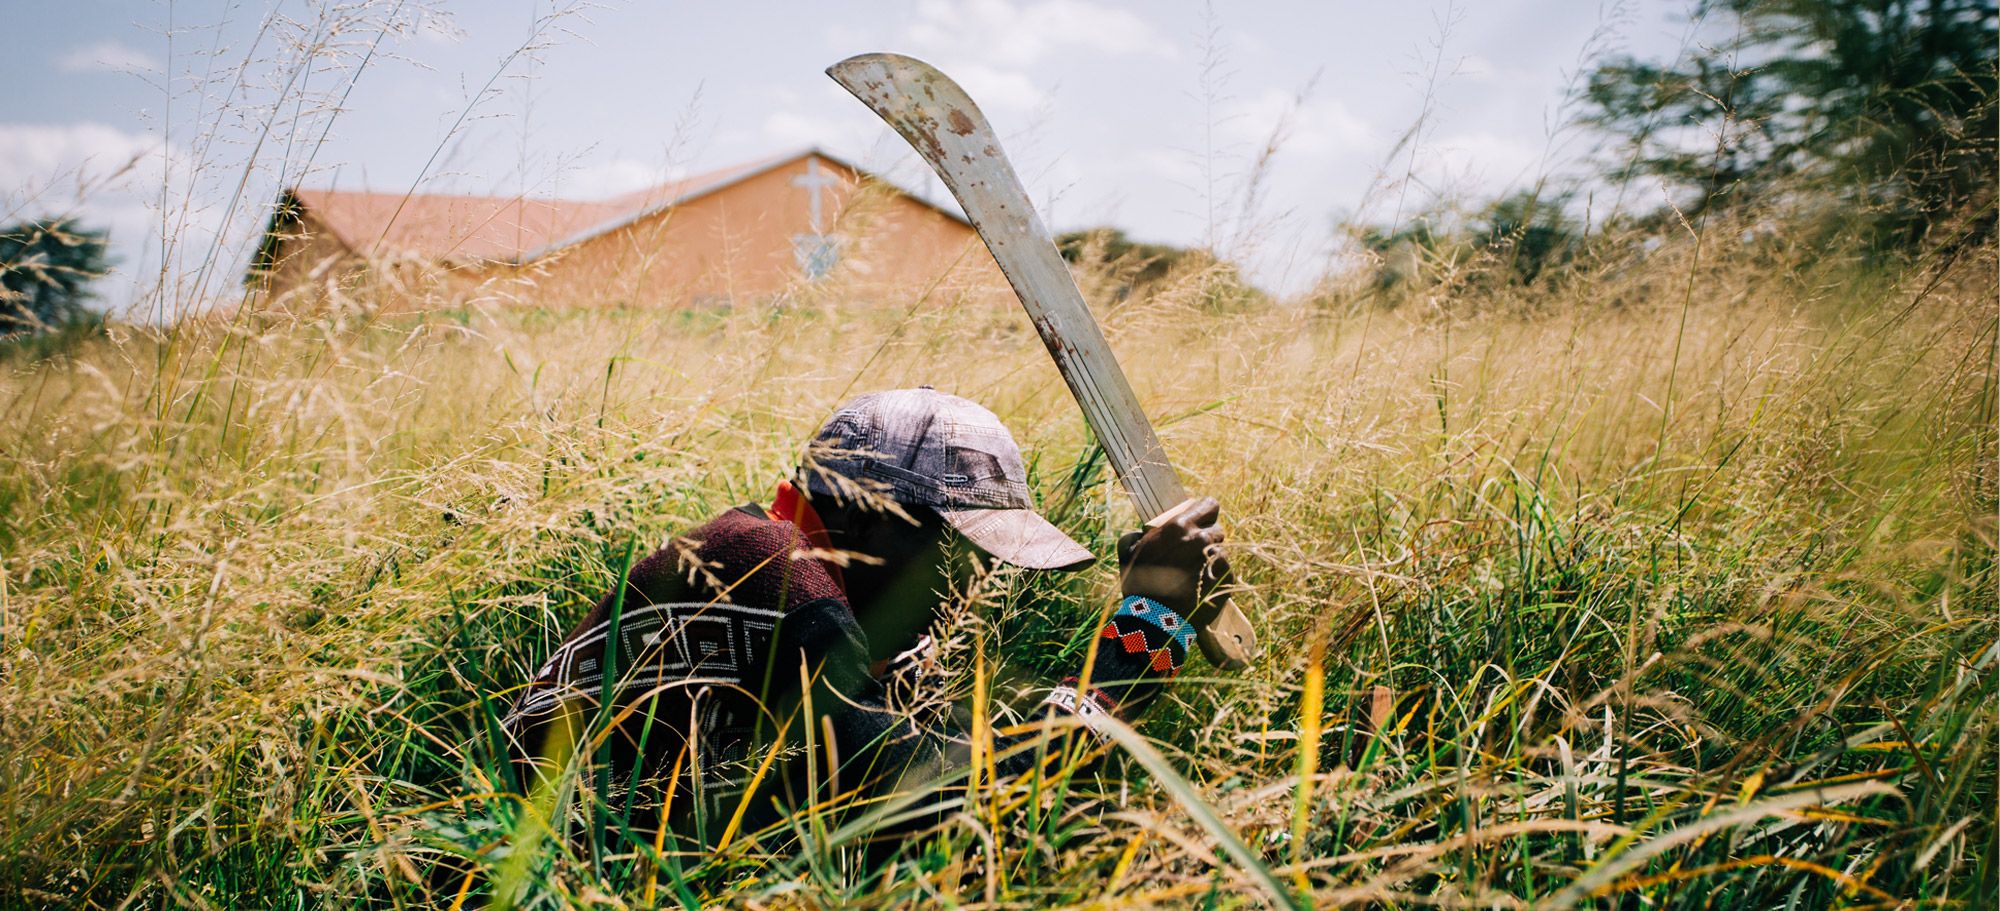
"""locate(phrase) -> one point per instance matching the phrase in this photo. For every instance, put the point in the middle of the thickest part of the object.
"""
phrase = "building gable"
(517, 230)
(777, 226)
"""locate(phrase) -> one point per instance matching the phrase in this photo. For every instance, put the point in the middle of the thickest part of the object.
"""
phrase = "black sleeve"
(880, 752)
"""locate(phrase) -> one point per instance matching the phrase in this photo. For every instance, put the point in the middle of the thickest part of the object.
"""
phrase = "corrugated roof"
(506, 229)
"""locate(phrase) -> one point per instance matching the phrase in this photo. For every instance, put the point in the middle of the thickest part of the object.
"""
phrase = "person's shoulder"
(741, 532)
(749, 558)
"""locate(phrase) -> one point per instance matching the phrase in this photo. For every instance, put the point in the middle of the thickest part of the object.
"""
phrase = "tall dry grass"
(1671, 587)
(1667, 584)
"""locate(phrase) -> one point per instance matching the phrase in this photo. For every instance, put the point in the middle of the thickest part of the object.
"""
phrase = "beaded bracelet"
(1159, 633)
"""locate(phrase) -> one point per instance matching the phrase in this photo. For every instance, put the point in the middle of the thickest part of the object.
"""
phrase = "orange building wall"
(307, 265)
(731, 247)
(734, 246)
(312, 271)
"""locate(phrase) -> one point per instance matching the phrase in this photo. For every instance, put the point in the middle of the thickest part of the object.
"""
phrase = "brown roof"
(437, 226)
(505, 228)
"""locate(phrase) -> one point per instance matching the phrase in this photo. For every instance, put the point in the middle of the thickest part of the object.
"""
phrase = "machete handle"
(1178, 510)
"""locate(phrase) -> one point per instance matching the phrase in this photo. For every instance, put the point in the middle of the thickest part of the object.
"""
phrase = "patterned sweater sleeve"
(1141, 646)
(881, 751)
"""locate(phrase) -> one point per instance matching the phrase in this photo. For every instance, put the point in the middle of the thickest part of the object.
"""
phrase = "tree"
(1123, 267)
(1530, 233)
(1523, 238)
(1134, 264)
(45, 271)
(1880, 110)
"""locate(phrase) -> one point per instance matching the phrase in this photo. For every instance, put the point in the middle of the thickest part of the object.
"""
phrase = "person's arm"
(1143, 644)
(1171, 575)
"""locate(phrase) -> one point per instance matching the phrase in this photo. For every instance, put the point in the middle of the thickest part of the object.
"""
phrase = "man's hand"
(1179, 562)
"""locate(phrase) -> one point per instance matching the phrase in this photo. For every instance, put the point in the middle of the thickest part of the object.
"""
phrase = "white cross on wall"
(814, 180)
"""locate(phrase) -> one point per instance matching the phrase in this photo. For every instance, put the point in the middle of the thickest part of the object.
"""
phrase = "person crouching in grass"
(743, 672)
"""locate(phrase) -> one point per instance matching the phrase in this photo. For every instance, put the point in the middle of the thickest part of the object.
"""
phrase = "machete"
(940, 121)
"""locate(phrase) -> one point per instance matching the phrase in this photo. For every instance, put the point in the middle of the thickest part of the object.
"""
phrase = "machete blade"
(942, 123)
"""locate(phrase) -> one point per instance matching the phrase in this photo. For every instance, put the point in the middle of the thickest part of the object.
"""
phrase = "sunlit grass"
(1686, 596)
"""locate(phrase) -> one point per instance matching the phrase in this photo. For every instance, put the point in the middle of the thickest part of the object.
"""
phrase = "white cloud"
(107, 57)
(1477, 162)
(992, 47)
(787, 128)
(999, 89)
(1177, 166)
(1007, 34)
(1475, 68)
(844, 37)
(615, 177)
(75, 160)
(1314, 128)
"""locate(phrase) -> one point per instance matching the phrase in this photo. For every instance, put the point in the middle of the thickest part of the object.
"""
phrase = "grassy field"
(1669, 587)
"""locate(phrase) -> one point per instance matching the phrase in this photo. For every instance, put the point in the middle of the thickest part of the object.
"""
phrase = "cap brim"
(1018, 536)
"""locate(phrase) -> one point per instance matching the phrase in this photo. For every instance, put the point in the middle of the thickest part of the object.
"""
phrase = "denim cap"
(925, 448)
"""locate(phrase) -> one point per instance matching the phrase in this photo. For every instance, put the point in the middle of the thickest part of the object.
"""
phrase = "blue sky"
(1147, 116)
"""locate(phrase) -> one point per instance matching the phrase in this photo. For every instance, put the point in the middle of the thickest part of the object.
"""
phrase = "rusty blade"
(941, 122)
